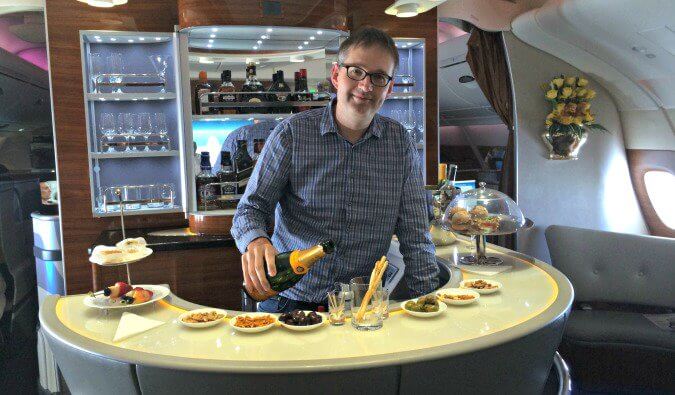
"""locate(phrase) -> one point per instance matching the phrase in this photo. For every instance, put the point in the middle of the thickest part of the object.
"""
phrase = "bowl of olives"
(301, 321)
(424, 307)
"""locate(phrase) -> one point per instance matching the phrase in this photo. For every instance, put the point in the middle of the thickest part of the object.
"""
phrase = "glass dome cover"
(483, 211)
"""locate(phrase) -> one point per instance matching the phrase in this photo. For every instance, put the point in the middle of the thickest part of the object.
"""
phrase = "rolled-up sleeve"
(412, 229)
(264, 189)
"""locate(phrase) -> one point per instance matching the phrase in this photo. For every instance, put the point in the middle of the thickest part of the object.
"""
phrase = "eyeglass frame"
(367, 74)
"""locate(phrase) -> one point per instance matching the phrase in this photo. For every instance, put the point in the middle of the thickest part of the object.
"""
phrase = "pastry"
(461, 221)
(479, 212)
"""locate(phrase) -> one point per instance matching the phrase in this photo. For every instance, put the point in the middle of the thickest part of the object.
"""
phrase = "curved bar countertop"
(534, 295)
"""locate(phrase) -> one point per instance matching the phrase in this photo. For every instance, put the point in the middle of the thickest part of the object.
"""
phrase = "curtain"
(487, 60)
(488, 64)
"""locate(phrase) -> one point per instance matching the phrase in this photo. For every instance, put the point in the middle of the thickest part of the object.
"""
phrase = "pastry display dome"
(483, 211)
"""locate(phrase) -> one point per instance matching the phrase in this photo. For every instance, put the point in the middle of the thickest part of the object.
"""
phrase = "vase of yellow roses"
(570, 119)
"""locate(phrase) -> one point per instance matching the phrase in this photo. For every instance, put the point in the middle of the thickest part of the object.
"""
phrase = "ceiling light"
(141, 38)
(98, 40)
(157, 38)
(103, 3)
(259, 42)
(210, 41)
(312, 38)
(257, 62)
(215, 29)
(263, 36)
(269, 30)
(97, 37)
(299, 46)
(130, 40)
(319, 32)
(410, 8)
(306, 42)
(209, 46)
(255, 47)
(113, 39)
(212, 35)
(410, 43)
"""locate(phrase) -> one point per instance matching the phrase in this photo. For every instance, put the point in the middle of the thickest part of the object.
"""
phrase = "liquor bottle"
(291, 267)
(282, 91)
(296, 87)
(303, 94)
(228, 181)
(254, 88)
(243, 165)
(201, 94)
(270, 96)
(226, 91)
(206, 184)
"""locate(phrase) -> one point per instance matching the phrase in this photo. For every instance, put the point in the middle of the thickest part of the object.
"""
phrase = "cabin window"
(661, 189)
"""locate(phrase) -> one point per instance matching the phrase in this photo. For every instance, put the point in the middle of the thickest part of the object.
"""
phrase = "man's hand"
(257, 253)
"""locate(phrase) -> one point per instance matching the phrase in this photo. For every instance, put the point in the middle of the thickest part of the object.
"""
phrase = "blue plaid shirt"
(319, 186)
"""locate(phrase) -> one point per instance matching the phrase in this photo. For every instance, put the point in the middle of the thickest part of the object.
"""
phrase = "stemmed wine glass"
(145, 127)
(116, 69)
(419, 135)
(97, 68)
(160, 128)
(160, 63)
(107, 127)
(130, 130)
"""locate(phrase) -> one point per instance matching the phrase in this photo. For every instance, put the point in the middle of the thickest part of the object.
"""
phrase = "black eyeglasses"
(358, 74)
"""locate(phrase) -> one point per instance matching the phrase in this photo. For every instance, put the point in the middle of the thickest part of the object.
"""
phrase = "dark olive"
(303, 321)
(283, 317)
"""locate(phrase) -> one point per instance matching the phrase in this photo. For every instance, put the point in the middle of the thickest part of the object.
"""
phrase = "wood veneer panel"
(209, 276)
(65, 18)
(640, 162)
(371, 13)
(329, 14)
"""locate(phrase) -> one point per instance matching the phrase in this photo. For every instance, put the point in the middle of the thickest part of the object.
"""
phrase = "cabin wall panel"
(593, 192)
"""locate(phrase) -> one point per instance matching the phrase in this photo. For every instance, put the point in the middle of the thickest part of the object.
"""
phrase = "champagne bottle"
(291, 267)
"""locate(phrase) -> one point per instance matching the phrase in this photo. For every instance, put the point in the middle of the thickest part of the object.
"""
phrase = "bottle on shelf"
(291, 267)
(227, 178)
(254, 90)
(205, 184)
(243, 165)
(271, 97)
(296, 86)
(202, 90)
(226, 92)
(282, 92)
(303, 92)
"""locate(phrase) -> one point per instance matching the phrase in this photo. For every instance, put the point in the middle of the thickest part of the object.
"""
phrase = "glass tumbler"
(372, 319)
(131, 194)
(336, 307)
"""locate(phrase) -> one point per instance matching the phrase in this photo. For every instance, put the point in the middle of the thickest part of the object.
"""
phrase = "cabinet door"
(188, 147)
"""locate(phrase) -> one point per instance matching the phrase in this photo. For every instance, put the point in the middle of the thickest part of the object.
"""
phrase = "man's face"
(362, 98)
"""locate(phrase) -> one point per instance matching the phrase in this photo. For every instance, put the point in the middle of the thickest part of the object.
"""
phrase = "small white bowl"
(233, 320)
(202, 324)
(457, 291)
(497, 284)
(297, 328)
(441, 308)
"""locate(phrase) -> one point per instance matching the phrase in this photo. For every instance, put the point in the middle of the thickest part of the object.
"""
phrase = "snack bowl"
(442, 293)
(496, 285)
(257, 329)
(207, 324)
(441, 308)
(304, 328)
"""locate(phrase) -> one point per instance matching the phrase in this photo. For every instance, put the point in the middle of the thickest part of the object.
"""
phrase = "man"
(343, 173)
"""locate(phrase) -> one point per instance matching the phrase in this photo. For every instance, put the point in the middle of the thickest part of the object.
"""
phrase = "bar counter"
(503, 341)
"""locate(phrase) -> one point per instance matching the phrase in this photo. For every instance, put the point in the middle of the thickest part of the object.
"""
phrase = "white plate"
(144, 253)
(324, 319)
(441, 308)
(103, 302)
(462, 284)
(457, 291)
(253, 330)
(202, 324)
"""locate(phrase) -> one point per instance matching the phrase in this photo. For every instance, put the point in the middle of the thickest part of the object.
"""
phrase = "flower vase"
(563, 146)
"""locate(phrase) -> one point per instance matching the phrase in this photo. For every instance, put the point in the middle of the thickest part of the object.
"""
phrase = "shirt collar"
(329, 125)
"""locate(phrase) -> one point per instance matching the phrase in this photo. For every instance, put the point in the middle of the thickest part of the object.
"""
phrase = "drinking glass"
(167, 194)
(372, 319)
(160, 123)
(150, 195)
(116, 69)
(419, 134)
(132, 194)
(145, 126)
(107, 125)
(97, 68)
(164, 142)
(111, 201)
(130, 129)
(336, 307)
(160, 63)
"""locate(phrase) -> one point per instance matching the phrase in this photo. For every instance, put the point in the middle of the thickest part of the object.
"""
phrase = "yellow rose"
(548, 122)
(590, 94)
(589, 118)
(566, 92)
(566, 120)
(557, 82)
(577, 120)
(582, 93)
(584, 106)
(570, 81)
(552, 94)
(571, 108)
(560, 107)
(550, 116)
(582, 82)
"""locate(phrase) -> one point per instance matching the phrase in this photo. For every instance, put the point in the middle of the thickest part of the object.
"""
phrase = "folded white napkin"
(132, 324)
(484, 270)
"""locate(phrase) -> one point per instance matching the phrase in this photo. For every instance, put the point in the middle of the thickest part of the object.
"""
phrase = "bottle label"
(228, 98)
(228, 188)
(203, 98)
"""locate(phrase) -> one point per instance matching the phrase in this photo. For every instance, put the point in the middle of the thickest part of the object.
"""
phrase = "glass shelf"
(143, 210)
(406, 95)
(139, 154)
(130, 96)
(239, 117)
